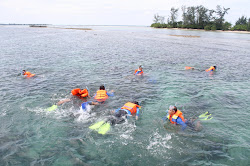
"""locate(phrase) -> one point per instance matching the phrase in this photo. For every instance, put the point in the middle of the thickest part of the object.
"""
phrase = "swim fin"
(104, 128)
(96, 125)
(206, 116)
(52, 108)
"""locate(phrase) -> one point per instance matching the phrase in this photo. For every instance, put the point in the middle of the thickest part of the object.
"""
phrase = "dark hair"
(24, 70)
(102, 87)
(135, 102)
(175, 108)
(215, 67)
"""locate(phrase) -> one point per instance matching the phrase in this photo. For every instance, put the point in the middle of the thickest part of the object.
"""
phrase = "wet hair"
(102, 87)
(140, 66)
(174, 108)
(24, 70)
(215, 67)
(135, 102)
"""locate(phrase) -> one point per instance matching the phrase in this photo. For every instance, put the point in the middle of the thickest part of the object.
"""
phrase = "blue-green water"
(65, 59)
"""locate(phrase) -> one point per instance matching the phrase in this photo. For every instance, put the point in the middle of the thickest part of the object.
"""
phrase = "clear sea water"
(64, 59)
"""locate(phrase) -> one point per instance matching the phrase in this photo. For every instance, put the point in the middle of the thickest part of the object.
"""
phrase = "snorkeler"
(139, 71)
(212, 68)
(102, 95)
(27, 74)
(129, 109)
(189, 68)
(80, 93)
(175, 117)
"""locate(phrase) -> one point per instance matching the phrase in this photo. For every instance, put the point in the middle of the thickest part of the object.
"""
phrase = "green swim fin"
(96, 125)
(204, 115)
(207, 118)
(104, 129)
(52, 108)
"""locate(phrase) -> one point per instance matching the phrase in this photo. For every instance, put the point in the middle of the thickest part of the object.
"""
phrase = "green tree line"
(200, 17)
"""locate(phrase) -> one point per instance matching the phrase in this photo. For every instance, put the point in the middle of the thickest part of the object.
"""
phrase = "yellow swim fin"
(96, 125)
(52, 108)
(104, 128)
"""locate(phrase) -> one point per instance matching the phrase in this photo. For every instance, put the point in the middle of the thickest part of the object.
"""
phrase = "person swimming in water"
(127, 110)
(212, 68)
(27, 74)
(175, 117)
(102, 95)
(139, 71)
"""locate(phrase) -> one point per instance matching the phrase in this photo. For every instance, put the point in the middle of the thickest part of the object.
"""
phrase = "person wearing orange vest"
(28, 74)
(130, 109)
(102, 95)
(175, 117)
(212, 68)
(80, 93)
(139, 71)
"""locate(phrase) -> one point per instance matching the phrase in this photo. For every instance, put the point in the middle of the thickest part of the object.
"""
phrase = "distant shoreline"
(185, 29)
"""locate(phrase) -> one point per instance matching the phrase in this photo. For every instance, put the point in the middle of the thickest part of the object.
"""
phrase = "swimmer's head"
(24, 71)
(172, 110)
(215, 67)
(102, 87)
(135, 102)
(140, 67)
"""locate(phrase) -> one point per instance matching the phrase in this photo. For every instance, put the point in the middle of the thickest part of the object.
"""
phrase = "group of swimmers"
(130, 108)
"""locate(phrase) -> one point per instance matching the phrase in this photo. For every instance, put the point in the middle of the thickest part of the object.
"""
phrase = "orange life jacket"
(141, 72)
(75, 91)
(79, 92)
(28, 74)
(175, 116)
(84, 93)
(101, 95)
(210, 69)
(189, 68)
(131, 107)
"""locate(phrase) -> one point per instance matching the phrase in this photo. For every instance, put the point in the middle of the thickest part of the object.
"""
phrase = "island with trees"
(200, 17)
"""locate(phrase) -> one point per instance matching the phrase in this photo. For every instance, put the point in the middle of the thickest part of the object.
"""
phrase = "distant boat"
(39, 26)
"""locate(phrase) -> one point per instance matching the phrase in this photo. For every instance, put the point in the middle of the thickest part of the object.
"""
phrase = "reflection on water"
(64, 59)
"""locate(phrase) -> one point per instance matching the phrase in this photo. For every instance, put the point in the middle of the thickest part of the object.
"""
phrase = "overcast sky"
(106, 12)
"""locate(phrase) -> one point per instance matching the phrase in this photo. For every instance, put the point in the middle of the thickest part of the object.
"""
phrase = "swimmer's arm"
(137, 113)
(183, 124)
(182, 118)
(117, 109)
(110, 94)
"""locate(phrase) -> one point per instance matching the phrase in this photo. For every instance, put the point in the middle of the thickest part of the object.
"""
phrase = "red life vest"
(175, 116)
(131, 107)
(101, 95)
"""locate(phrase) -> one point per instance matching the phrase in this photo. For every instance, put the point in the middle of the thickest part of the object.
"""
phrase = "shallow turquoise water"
(64, 59)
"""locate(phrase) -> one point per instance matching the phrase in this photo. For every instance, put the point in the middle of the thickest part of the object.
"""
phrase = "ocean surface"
(64, 59)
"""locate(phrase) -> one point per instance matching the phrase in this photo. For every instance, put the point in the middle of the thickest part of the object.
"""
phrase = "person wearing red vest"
(102, 95)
